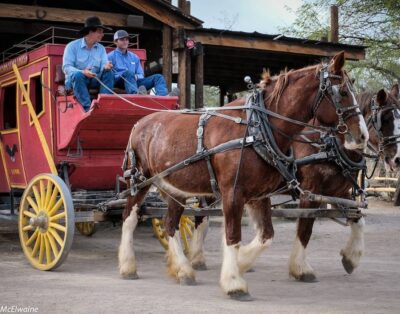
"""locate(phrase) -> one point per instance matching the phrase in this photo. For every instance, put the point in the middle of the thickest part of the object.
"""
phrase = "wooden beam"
(162, 14)
(30, 12)
(267, 44)
(199, 80)
(167, 55)
(334, 24)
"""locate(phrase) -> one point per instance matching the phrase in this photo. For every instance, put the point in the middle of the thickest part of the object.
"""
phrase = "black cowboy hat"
(92, 22)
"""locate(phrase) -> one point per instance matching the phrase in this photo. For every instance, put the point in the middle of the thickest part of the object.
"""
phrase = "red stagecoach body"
(91, 143)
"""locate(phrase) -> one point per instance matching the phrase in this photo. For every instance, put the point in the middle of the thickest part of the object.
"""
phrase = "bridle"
(327, 88)
(376, 121)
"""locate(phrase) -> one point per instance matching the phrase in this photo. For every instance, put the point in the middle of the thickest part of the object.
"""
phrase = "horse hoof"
(133, 276)
(199, 266)
(348, 265)
(251, 270)
(310, 277)
(187, 281)
(240, 295)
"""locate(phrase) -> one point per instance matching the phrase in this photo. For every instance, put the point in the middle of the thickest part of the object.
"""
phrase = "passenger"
(84, 59)
(128, 72)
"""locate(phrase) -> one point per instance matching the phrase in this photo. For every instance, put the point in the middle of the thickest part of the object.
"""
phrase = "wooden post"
(334, 24)
(188, 78)
(167, 55)
(222, 95)
(199, 80)
(182, 5)
(187, 11)
(184, 78)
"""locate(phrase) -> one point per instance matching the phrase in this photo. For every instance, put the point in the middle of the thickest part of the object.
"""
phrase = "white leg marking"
(396, 132)
(231, 279)
(196, 254)
(354, 248)
(298, 265)
(249, 253)
(178, 265)
(126, 254)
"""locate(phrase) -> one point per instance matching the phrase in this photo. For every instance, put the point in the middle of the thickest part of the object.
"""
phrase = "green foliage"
(371, 23)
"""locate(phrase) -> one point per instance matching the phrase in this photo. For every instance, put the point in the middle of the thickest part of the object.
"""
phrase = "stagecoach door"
(11, 159)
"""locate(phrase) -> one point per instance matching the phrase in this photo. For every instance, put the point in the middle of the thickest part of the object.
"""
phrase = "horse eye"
(343, 93)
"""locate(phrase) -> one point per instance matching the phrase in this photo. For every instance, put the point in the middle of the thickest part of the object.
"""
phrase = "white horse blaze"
(396, 131)
(231, 280)
(126, 254)
(354, 248)
(298, 265)
(178, 265)
(363, 128)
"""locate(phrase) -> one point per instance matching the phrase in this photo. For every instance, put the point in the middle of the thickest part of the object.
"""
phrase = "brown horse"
(164, 139)
(327, 179)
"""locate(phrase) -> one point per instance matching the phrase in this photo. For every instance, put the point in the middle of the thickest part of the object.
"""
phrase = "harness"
(258, 135)
(376, 121)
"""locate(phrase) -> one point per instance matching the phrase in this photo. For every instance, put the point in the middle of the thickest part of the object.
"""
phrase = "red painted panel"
(4, 188)
(108, 124)
(33, 155)
(13, 159)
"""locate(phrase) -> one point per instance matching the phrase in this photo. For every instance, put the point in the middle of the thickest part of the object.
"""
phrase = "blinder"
(325, 86)
(376, 121)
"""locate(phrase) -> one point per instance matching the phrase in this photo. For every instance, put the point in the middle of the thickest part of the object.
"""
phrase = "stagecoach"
(62, 165)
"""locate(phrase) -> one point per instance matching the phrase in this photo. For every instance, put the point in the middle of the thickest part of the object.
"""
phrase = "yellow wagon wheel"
(46, 221)
(186, 227)
(86, 228)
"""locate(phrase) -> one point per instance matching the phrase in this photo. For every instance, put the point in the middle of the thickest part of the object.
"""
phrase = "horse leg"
(126, 254)
(260, 213)
(178, 266)
(354, 248)
(231, 280)
(196, 253)
(299, 268)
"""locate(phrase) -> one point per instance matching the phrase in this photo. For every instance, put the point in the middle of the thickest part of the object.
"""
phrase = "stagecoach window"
(36, 94)
(9, 106)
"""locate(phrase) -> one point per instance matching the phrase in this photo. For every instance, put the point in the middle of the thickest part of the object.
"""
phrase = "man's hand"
(108, 66)
(86, 72)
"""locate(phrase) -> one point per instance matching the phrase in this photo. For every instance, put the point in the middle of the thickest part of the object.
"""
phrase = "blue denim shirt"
(77, 57)
(125, 62)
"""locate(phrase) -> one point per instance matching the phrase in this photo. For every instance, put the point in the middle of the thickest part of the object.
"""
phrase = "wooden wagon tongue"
(333, 200)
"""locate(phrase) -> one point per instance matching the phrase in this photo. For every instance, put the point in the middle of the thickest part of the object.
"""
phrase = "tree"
(371, 23)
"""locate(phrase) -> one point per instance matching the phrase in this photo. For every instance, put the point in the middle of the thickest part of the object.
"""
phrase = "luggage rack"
(57, 35)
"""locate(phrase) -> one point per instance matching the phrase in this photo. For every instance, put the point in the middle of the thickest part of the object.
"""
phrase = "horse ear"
(395, 91)
(338, 63)
(381, 97)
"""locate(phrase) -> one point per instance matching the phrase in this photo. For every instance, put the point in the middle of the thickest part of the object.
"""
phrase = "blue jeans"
(131, 84)
(81, 84)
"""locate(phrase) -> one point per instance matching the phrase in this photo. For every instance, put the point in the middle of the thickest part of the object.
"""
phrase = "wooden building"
(218, 58)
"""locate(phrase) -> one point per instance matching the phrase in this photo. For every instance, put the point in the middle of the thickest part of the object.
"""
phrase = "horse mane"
(364, 101)
(282, 81)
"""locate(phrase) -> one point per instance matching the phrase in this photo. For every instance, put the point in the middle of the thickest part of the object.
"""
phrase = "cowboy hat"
(92, 22)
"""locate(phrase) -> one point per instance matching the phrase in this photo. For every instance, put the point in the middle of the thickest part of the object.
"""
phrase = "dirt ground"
(88, 281)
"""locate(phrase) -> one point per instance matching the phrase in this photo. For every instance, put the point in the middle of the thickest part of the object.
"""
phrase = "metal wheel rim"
(46, 221)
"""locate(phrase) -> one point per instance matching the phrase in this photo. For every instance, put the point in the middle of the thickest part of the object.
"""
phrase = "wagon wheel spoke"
(186, 225)
(46, 222)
